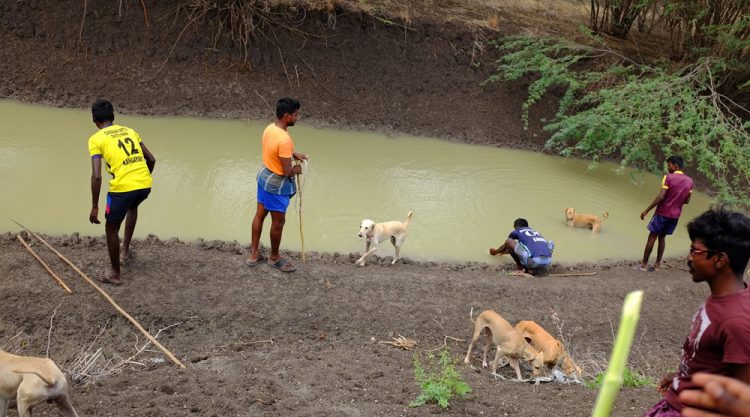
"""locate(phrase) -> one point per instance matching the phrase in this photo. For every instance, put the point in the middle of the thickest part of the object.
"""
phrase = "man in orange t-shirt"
(276, 184)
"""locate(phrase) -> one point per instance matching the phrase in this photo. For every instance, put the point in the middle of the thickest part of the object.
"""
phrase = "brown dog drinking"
(507, 340)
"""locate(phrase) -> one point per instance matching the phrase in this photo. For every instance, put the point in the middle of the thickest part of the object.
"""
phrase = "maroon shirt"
(678, 186)
(719, 340)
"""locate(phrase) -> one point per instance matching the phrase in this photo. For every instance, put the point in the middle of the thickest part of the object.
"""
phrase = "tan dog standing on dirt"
(507, 340)
(374, 233)
(588, 221)
(32, 381)
(554, 351)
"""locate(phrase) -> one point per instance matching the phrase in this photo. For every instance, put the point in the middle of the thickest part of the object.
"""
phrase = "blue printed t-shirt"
(533, 240)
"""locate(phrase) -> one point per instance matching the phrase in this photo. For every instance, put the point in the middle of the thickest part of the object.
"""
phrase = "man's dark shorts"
(118, 204)
(662, 225)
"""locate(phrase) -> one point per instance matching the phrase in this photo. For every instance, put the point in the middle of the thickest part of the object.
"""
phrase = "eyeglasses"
(708, 252)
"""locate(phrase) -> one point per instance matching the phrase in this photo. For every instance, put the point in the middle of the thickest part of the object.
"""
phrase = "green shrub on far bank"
(631, 379)
(635, 113)
(439, 382)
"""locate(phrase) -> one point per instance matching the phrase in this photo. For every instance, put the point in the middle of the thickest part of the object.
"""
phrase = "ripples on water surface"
(464, 197)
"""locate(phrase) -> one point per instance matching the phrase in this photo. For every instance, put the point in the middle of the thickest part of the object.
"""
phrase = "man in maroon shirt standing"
(719, 338)
(676, 188)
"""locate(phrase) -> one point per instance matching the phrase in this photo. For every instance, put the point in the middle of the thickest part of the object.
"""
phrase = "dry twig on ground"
(92, 364)
(400, 342)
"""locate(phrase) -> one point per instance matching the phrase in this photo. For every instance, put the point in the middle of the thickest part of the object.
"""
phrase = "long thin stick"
(576, 274)
(301, 233)
(108, 298)
(54, 276)
(145, 14)
(83, 20)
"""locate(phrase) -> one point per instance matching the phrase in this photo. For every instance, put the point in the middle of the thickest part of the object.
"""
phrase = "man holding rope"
(276, 185)
(130, 163)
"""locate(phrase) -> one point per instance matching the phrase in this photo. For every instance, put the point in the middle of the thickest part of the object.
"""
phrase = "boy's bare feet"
(110, 278)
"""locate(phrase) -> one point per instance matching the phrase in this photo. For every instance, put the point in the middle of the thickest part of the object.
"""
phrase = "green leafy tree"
(440, 384)
(634, 113)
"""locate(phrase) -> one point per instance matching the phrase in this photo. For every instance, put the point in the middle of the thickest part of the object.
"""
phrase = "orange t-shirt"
(276, 144)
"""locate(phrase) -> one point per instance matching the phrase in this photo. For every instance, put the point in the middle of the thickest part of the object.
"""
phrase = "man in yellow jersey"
(276, 184)
(130, 163)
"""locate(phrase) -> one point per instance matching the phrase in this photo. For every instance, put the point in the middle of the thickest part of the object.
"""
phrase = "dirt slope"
(260, 342)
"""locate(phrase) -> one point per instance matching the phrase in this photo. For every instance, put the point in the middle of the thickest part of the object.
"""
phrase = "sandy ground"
(260, 342)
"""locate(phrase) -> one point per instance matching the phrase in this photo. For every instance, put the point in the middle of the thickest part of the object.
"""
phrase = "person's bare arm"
(289, 169)
(659, 198)
(150, 159)
(96, 186)
(719, 396)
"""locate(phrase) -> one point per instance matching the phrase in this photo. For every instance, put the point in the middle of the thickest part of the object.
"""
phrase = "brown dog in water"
(32, 381)
(507, 340)
(588, 221)
(554, 352)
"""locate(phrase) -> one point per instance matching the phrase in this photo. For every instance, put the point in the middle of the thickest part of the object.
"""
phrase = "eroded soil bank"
(349, 69)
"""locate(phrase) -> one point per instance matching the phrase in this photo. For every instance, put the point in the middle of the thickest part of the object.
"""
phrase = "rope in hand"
(300, 183)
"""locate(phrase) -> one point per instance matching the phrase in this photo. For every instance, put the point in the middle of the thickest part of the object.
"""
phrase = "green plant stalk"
(631, 312)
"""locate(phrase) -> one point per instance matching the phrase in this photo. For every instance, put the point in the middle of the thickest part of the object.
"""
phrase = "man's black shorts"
(118, 204)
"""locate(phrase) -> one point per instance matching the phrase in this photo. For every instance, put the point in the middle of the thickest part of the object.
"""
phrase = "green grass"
(632, 379)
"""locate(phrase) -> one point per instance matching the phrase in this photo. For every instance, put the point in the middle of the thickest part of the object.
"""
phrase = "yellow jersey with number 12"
(120, 147)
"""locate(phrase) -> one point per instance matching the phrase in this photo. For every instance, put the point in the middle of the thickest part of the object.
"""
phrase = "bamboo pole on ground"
(54, 276)
(108, 298)
(631, 311)
(573, 274)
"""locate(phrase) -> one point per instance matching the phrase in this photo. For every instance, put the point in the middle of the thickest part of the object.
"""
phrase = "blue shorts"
(118, 204)
(662, 225)
(533, 262)
(273, 202)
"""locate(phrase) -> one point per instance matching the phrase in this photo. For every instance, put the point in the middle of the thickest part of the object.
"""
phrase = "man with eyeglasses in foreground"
(719, 338)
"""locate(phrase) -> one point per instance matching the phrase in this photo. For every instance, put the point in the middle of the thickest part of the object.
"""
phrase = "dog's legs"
(498, 354)
(514, 364)
(368, 251)
(24, 409)
(487, 345)
(471, 345)
(3, 406)
(397, 245)
(64, 404)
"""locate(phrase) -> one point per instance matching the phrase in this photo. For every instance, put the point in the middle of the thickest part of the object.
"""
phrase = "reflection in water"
(464, 197)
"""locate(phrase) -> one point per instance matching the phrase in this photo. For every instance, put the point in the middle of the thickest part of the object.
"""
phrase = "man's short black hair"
(723, 230)
(676, 160)
(286, 105)
(520, 223)
(102, 111)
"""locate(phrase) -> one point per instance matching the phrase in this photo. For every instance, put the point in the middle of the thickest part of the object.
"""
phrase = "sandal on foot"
(107, 280)
(282, 265)
(642, 269)
(258, 261)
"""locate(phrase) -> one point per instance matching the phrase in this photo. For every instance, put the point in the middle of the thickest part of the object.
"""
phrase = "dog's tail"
(471, 315)
(408, 219)
(49, 380)
(605, 215)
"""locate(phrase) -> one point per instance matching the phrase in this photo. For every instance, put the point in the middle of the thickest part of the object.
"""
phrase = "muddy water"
(464, 197)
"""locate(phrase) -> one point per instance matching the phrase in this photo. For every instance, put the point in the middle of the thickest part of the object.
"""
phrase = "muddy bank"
(349, 69)
(260, 342)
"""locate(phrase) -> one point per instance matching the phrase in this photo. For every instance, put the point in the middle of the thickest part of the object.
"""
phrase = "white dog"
(32, 381)
(374, 233)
